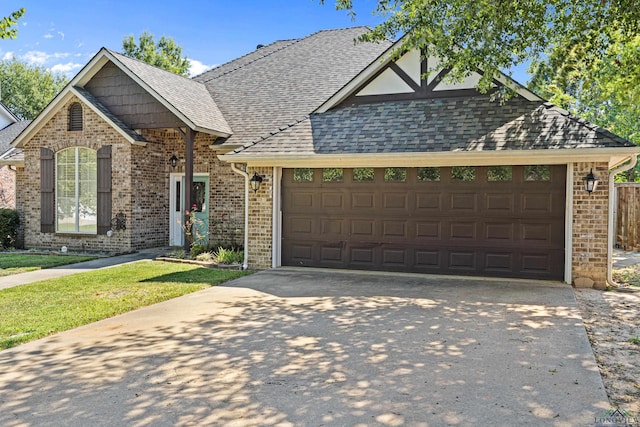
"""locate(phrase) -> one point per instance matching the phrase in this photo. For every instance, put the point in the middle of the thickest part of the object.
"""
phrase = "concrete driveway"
(302, 347)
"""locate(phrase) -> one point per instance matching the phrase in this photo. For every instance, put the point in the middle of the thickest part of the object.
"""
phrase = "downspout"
(611, 231)
(234, 168)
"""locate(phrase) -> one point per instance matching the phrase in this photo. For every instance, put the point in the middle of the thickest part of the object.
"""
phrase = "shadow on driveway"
(319, 348)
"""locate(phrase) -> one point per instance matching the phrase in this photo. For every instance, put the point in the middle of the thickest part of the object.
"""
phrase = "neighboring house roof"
(282, 83)
(9, 134)
(188, 99)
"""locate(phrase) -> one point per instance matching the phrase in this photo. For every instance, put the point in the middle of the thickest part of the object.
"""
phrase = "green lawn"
(35, 310)
(20, 263)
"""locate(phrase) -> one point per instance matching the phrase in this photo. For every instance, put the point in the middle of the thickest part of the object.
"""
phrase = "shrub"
(9, 222)
(229, 256)
(205, 256)
(197, 249)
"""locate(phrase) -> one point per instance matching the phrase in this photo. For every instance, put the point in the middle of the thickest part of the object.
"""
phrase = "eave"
(613, 156)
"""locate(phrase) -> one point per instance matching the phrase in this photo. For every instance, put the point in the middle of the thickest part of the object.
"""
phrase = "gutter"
(610, 230)
(234, 168)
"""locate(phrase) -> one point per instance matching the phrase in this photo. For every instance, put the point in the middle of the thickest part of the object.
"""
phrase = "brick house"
(359, 161)
(10, 128)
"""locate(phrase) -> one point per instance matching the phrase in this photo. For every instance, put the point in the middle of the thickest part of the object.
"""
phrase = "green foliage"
(497, 35)
(463, 173)
(8, 23)
(32, 311)
(634, 340)
(9, 222)
(603, 90)
(228, 256)
(27, 89)
(196, 249)
(166, 54)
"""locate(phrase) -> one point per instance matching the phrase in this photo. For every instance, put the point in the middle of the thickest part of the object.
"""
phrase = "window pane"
(499, 173)
(303, 175)
(363, 174)
(76, 191)
(428, 174)
(537, 173)
(332, 174)
(395, 174)
(463, 173)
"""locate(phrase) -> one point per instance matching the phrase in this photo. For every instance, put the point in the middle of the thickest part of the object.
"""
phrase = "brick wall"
(140, 184)
(590, 222)
(7, 188)
(260, 220)
(55, 136)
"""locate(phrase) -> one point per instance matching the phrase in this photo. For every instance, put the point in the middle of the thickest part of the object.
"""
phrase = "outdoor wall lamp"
(173, 161)
(590, 182)
(255, 182)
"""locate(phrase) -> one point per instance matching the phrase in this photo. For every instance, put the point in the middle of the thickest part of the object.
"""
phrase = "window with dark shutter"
(75, 116)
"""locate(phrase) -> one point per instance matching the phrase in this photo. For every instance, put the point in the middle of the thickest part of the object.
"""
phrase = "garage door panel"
(362, 200)
(508, 229)
(463, 202)
(332, 201)
(428, 202)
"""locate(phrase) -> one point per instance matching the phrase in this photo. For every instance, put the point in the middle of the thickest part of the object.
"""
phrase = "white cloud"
(61, 34)
(67, 68)
(48, 36)
(8, 56)
(198, 67)
(37, 57)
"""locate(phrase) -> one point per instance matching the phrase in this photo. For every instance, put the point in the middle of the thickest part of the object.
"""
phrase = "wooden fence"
(628, 216)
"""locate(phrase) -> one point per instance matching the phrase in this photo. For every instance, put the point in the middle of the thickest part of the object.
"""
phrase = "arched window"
(75, 116)
(76, 191)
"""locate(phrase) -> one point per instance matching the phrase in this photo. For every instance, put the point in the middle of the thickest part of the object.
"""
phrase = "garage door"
(484, 221)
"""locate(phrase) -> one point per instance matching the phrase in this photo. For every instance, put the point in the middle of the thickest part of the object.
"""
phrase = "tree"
(166, 54)
(497, 35)
(7, 24)
(604, 91)
(27, 89)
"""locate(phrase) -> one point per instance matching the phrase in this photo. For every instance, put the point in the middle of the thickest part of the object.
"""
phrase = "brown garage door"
(484, 221)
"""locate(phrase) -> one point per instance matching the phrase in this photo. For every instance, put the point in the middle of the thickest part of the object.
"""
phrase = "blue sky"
(63, 35)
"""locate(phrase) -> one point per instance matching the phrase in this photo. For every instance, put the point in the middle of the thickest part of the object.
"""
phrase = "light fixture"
(590, 182)
(173, 161)
(255, 182)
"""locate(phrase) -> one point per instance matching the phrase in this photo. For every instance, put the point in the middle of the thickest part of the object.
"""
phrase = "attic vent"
(75, 116)
(260, 46)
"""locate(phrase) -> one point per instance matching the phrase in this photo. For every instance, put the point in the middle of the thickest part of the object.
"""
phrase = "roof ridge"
(151, 65)
(293, 41)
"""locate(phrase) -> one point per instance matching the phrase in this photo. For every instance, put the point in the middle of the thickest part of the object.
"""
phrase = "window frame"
(77, 186)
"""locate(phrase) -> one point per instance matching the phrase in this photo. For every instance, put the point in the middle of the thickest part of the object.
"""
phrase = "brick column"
(261, 221)
(590, 221)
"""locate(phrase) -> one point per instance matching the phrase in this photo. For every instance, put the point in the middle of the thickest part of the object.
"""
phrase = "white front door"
(200, 193)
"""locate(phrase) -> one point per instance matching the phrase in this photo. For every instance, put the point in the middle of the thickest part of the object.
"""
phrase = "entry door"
(200, 201)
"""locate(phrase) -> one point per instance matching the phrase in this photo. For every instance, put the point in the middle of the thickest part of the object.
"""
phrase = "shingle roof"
(104, 110)
(188, 96)
(437, 125)
(282, 83)
(9, 133)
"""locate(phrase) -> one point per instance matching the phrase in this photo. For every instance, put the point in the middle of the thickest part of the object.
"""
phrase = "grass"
(21, 263)
(35, 310)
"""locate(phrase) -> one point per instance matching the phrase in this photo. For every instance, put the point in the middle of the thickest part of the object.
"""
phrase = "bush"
(197, 249)
(229, 256)
(9, 222)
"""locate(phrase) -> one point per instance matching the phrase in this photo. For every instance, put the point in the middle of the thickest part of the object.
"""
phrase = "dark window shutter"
(104, 189)
(47, 185)
(75, 116)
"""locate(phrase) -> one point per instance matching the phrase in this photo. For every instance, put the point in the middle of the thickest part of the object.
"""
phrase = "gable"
(405, 78)
(127, 100)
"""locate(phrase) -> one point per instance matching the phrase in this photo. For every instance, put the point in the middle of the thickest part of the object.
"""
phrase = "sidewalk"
(625, 258)
(81, 267)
